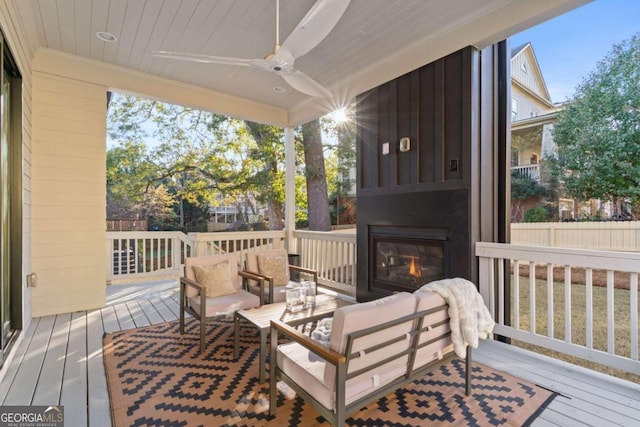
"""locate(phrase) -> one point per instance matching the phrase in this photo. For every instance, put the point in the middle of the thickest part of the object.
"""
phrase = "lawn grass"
(578, 321)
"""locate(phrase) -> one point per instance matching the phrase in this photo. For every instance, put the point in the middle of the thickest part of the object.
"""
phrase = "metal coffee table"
(261, 319)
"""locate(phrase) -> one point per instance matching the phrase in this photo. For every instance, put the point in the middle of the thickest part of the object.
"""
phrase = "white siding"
(68, 221)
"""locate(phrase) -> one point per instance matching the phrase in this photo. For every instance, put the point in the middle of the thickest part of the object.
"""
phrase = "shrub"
(537, 214)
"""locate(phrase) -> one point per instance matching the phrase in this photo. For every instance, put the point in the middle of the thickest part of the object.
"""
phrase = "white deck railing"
(530, 171)
(140, 254)
(136, 255)
(332, 255)
(543, 311)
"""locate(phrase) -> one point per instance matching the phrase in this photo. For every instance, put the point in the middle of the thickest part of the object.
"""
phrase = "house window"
(515, 157)
(514, 109)
(524, 68)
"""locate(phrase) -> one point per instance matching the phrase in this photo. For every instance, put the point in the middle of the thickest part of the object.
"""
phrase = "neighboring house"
(532, 113)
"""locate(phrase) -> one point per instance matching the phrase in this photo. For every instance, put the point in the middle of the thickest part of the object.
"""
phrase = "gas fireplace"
(406, 258)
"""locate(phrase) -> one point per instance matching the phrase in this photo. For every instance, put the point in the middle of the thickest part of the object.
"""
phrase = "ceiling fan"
(309, 32)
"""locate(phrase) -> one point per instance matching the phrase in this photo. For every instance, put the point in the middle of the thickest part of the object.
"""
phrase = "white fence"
(606, 236)
(609, 314)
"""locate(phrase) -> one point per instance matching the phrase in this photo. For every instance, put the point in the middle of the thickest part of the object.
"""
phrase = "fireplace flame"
(413, 270)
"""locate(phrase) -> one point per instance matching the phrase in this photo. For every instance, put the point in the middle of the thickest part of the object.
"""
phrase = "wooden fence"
(606, 236)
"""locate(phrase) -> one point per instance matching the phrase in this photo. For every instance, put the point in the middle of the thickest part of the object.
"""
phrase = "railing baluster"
(550, 310)
(567, 303)
(633, 295)
(611, 338)
(516, 294)
(589, 307)
(532, 297)
(501, 282)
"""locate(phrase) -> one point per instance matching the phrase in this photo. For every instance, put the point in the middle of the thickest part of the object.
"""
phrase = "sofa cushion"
(361, 316)
(307, 370)
(215, 278)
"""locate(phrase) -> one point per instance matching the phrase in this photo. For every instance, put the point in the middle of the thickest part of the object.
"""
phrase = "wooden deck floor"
(59, 361)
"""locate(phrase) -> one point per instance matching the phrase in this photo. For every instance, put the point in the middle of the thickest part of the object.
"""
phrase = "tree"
(316, 177)
(201, 158)
(523, 188)
(341, 163)
(598, 132)
(270, 178)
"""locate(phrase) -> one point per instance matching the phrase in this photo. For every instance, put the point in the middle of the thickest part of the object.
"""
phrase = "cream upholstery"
(370, 353)
(253, 266)
(193, 299)
(262, 263)
(361, 316)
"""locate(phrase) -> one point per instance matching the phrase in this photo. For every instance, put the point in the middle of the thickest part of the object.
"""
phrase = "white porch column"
(290, 188)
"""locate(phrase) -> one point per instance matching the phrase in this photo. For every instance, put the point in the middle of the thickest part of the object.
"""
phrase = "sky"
(569, 47)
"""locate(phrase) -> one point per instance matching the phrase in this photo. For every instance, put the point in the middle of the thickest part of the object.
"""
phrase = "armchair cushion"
(226, 304)
(215, 278)
(276, 266)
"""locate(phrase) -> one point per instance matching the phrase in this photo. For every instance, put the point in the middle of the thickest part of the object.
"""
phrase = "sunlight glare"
(339, 115)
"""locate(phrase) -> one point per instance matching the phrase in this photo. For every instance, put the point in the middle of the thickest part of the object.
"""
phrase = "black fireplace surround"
(406, 258)
(406, 240)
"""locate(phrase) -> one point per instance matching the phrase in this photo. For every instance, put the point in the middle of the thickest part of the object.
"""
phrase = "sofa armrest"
(278, 327)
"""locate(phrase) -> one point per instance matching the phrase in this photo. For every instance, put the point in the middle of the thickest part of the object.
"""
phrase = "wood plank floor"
(59, 361)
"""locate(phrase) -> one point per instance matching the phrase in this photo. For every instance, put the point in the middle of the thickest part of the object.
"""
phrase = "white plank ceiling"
(375, 40)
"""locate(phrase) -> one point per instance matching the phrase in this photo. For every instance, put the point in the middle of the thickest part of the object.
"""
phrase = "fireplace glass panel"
(407, 264)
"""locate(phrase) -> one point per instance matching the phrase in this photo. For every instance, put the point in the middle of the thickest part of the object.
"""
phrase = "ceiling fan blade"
(305, 84)
(207, 59)
(314, 27)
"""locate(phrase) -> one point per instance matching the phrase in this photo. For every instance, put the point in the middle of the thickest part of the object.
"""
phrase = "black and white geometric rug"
(158, 377)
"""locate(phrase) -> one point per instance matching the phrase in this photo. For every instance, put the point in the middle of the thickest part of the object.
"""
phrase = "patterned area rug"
(157, 377)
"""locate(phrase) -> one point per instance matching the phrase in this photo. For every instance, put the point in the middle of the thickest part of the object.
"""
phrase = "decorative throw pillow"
(275, 266)
(215, 278)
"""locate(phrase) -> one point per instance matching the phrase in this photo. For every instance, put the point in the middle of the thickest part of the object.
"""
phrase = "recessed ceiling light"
(106, 37)
(279, 89)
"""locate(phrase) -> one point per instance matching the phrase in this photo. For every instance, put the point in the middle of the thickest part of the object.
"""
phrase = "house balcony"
(59, 359)
(529, 171)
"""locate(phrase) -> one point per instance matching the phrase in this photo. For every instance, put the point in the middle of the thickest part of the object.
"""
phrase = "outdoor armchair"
(212, 287)
(273, 267)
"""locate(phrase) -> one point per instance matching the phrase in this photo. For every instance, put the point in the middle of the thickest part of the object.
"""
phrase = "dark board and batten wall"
(435, 183)
(429, 105)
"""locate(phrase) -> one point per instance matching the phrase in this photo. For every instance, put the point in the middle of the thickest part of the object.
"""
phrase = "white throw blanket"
(469, 317)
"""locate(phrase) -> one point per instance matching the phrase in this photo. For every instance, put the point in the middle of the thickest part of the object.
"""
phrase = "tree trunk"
(319, 219)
